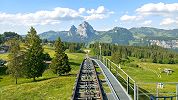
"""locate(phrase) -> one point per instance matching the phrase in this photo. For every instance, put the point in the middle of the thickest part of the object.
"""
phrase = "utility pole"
(176, 91)
(157, 91)
(100, 51)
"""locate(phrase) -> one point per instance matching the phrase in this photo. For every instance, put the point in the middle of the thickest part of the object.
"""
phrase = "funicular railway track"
(87, 85)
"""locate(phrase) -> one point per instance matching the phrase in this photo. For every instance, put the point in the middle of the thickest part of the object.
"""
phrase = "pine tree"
(1, 38)
(15, 59)
(34, 57)
(116, 57)
(60, 63)
(171, 59)
(161, 59)
(154, 58)
(72, 48)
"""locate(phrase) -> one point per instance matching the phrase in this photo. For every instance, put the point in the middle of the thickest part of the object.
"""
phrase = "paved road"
(116, 86)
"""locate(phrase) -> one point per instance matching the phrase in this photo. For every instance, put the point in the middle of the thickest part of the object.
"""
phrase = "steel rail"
(87, 86)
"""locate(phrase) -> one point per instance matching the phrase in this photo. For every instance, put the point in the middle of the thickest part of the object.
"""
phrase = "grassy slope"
(148, 72)
(4, 56)
(151, 72)
(50, 86)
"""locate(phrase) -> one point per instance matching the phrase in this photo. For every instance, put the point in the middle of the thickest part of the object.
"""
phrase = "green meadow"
(48, 87)
(53, 87)
(148, 74)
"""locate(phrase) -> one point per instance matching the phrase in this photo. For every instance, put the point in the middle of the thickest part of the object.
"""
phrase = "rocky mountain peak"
(85, 29)
(84, 24)
(72, 30)
(73, 27)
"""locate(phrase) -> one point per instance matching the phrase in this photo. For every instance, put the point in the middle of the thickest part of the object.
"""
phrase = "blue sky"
(58, 15)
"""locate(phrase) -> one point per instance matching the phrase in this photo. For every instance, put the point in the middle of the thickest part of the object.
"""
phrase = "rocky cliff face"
(72, 31)
(85, 30)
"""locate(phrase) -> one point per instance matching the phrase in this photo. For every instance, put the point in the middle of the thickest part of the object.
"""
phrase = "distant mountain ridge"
(86, 33)
(116, 35)
(153, 32)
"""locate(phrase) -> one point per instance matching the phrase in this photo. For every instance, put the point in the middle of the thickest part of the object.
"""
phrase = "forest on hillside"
(122, 53)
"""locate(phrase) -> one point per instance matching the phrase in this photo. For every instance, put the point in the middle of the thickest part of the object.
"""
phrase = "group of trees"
(154, 53)
(30, 63)
(71, 46)
(8, 35)
(74, 47)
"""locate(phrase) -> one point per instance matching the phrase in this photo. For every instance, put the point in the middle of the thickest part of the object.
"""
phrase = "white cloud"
(95, 16)
(157, 13)
(116, 20)
(99, 13)
(168, 21)
(40, 17)
(158, 9)
(99, 10)
(130, 18)
(151, 9)
(147, 22)
(54, 16)
(127, 18)
(82, 10)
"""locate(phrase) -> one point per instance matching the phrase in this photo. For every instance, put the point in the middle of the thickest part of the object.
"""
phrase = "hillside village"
(165, 43)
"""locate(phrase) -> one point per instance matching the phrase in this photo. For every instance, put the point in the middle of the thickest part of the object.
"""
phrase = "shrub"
(132, 65)
(3, 70)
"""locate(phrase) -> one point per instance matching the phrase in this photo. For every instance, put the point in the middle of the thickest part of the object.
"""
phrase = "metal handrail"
(111, 87)
(120, 69)
(134, 88)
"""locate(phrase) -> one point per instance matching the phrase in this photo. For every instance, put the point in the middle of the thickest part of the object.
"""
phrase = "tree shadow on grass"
(30, 80)
(0, 78)
(69, 75)
(43, 79)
